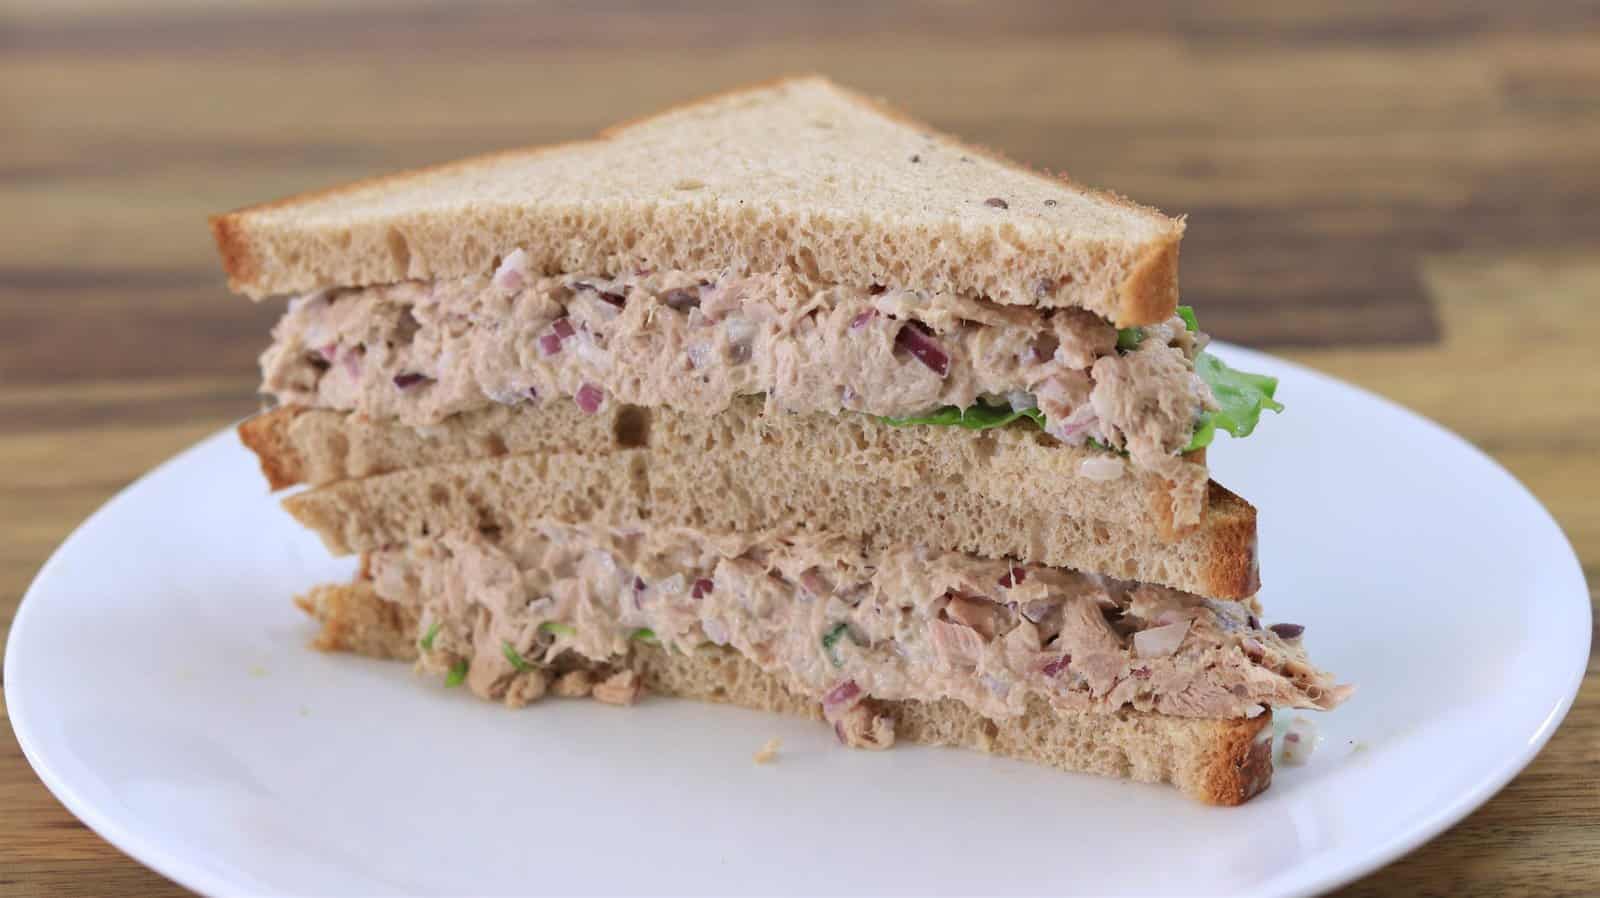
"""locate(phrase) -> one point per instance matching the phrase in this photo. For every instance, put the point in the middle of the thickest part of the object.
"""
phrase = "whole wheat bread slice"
(1016, 464)
(1223, 762)
(994, 494)
(798, 173)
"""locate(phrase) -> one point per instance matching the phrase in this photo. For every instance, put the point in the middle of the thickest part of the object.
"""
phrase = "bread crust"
(1147, 292)
(1221, 762)
(268, 436)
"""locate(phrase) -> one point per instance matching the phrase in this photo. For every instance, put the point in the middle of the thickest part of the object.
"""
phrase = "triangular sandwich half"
(779, 398)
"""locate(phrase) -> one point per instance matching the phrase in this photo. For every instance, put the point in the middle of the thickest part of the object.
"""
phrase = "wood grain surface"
(1408, 198)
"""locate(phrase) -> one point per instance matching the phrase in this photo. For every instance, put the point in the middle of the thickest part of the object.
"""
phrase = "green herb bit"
(645, 635)
(1189, 321)
(427, 640)
(556, 628)
(1129, 338)
(457, 674)
(515, 657)
(830, 640)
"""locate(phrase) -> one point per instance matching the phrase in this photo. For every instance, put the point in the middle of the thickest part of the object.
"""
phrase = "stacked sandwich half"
(779, 399)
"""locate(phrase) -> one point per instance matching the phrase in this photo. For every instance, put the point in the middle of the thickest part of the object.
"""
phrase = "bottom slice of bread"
(1223, 762)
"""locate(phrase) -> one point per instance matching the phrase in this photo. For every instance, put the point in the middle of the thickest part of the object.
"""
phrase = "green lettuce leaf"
(977, 417)
(1187, 314)
(1240, 398)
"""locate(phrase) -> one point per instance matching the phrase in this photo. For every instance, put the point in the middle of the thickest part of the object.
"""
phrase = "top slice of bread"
(799, 174)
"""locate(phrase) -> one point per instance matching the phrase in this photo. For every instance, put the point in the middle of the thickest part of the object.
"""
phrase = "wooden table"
(1408, 200)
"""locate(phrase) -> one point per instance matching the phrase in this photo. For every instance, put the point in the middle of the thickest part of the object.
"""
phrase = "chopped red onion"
(1013, 577)
(863, 318)
(917, 341)
(616, 299)
(407, 381)
(550, 344)
(1251, 620)
(842, 694)
(589, 398)
(1287, 631)
(1141, 673)
(1054, 668)
(638, 585)
(701, 588)
(562, 328)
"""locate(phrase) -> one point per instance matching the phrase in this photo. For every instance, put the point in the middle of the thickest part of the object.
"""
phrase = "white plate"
(158, 682)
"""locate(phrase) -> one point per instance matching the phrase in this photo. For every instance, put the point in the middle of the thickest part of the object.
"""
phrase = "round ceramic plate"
(159, 682)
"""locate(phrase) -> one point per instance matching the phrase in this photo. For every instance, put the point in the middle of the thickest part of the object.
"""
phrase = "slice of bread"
(1016, 465)
(798, 173)
(1223, 762)
(994, 494)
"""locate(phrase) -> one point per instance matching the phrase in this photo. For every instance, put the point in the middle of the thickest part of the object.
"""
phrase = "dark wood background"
(1408, 198)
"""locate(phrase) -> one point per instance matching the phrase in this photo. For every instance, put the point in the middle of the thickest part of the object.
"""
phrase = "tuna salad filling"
(840, 625)
(421, 351)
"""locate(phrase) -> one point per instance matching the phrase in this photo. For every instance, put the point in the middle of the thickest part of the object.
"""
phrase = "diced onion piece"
(1287, 631)
(1013, 576)
(701, 588)
(1157, 642)
(509, 275)
(562, 328)
(861, 319)
(1054, 668)
(917, 341)
(842, 695)
(1102, 468)
(589, 398)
